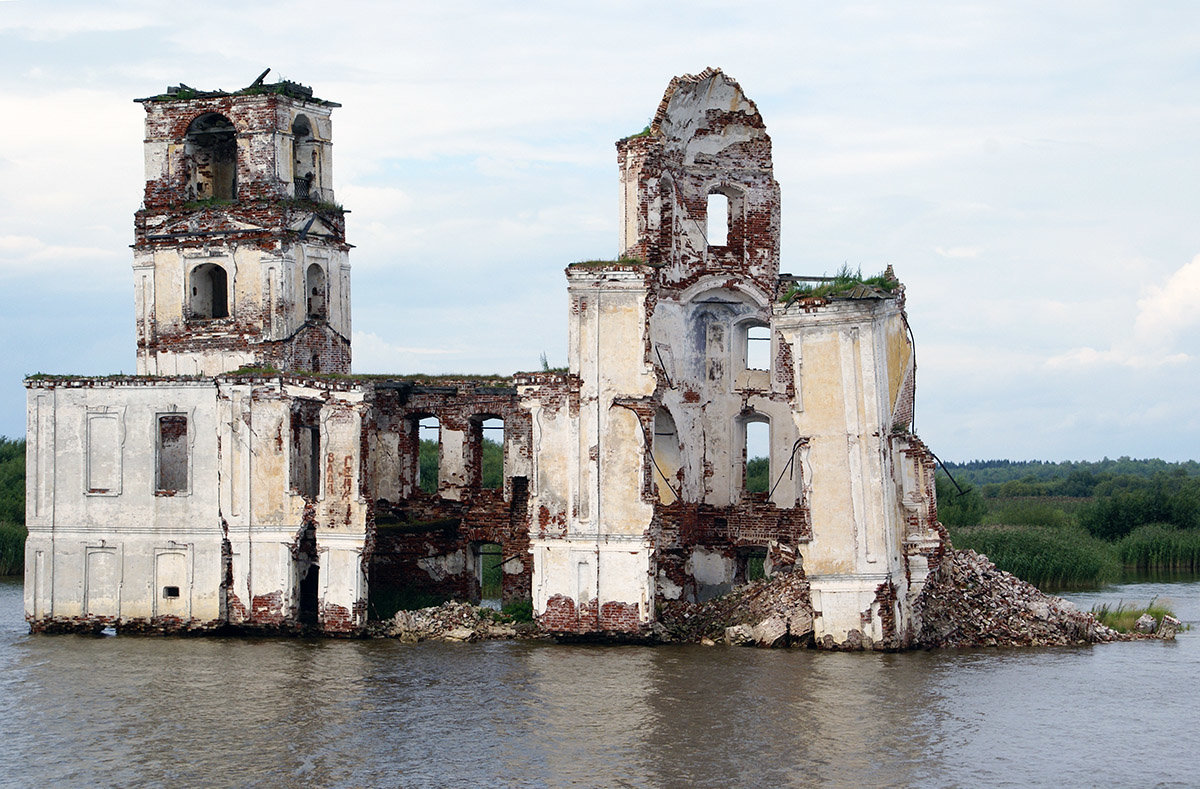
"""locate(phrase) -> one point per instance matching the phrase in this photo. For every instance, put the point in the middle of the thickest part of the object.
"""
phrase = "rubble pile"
(968, 602)
(769, 612)
(453, 621)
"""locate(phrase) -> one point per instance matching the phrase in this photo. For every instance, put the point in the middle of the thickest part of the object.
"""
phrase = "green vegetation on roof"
(608, 263)
(840, 284)
(261, 371)
(283, 87)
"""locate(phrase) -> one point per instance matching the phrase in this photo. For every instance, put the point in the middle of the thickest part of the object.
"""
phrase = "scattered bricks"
(454, 622)
(775, 611)
(970, 603)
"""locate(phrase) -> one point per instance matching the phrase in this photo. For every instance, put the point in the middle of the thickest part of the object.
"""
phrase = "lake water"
(152, 711)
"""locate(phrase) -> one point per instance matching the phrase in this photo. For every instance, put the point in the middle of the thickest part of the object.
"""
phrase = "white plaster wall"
(113, 551)
(842, 367)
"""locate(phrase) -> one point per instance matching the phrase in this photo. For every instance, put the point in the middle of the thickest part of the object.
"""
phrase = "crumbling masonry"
(245, 478)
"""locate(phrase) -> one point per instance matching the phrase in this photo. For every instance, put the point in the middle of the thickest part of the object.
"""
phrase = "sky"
(1029, 169)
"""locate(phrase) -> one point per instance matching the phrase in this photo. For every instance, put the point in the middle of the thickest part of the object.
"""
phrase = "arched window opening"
(306, 171)
(758, 347)
(491, 453)
(667, 457)
(718, 220)
(210, 150)
(314, 287)
(209, 294)
(756, 454)
(666, 226)
(429, 430)
(489, 572)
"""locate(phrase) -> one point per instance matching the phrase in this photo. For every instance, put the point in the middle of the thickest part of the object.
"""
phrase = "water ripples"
(145, 711)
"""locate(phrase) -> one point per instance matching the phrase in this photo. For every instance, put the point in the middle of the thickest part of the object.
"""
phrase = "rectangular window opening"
(718, 220)
(305, 460)
(172, 454)
(757, 454)
(170, 592)
(429, 431)
(491, 454)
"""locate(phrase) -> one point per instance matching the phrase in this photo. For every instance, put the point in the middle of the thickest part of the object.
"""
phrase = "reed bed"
(12, 549)
(1044, 556)
(1160, 547)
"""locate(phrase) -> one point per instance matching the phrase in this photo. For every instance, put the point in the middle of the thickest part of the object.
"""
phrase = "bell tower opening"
(240, 251)
(306, 169)
(315, 292)
(209, 294)
(210, 153)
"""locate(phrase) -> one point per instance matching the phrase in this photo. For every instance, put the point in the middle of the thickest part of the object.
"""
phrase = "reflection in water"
(80, 711)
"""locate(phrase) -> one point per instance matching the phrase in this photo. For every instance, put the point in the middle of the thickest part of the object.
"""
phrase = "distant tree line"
(1071, 522)
(12, 506)
(983, 472)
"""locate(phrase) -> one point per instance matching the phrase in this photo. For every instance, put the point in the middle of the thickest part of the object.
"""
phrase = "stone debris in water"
(455, 621)
(1145, 624)
(968, 602)
(1167, 628)
(761, 613)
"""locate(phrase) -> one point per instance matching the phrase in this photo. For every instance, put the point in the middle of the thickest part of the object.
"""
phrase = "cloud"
(1167, 310)
(958, 252)
(373, 354)
(18, 253)
(1163, 313)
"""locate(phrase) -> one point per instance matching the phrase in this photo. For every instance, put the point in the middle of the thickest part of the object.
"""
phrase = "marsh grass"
(1123, 616)
(1044, 556)
(1161, 547)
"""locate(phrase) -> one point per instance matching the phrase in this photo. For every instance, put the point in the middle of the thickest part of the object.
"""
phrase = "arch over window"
(306, 169)
(316, 292)
(209, 292)
(210, 150)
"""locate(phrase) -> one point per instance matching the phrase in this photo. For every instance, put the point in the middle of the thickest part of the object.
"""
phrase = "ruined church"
(246, 478)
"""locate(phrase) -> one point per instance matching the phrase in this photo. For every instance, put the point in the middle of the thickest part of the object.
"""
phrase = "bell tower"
(240, 257)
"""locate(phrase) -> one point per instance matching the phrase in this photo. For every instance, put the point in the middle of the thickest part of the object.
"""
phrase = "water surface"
(153, 711)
